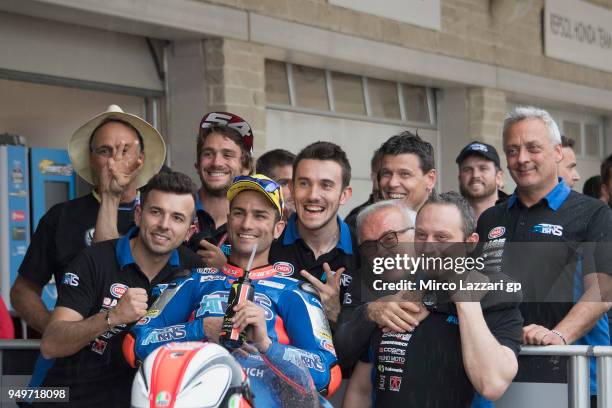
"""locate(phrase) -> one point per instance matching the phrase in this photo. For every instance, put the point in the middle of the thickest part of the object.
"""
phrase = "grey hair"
(521, 113)
(408, 213)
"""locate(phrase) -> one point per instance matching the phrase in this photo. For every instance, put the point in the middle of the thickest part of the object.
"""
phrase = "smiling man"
(224, 146)
(554, 241)
(480, 176)
(408, 170)
(316, 243)
(283, 322)
(107, 287)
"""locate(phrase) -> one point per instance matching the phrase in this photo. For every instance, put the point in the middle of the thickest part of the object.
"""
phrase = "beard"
(216, 191)
(489, 189)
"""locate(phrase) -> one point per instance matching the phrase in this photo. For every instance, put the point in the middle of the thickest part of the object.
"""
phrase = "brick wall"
(468, 31)
(234, 72)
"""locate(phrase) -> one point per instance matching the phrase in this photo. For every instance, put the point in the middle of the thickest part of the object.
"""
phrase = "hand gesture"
(121, 169)
(131, 307)
(329, 292)
(211, 254)
(251, 317)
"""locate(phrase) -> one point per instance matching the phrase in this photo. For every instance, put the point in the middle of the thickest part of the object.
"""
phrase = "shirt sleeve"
(40, 263)
(309, 334)
(77, 290)
(597, 252)
(506, 325)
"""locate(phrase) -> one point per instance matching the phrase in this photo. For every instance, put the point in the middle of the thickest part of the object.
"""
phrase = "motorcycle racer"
(286, 319)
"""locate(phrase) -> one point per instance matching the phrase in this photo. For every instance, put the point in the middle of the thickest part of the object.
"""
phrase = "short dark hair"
(230, 133)
(592, 187)
(606, 170)
(325, 151)
(457, 200)
(116, 120)
(407, 142)
(376, 161)
(567, 142)
(274, 158)
(168, 182)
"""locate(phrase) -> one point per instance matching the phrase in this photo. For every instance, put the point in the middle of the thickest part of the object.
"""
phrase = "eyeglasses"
(388, 240)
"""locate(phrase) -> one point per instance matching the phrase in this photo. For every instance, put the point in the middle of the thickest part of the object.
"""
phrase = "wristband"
(559, 335)
(109, 327)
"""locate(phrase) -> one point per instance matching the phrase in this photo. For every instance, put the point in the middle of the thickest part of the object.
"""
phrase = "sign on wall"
(424, 13)
(578, 32)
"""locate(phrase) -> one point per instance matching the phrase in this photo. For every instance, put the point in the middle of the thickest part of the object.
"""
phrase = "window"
(331, 93)
(310, 87)
(277, 87)
(384, 102)
(348, 93)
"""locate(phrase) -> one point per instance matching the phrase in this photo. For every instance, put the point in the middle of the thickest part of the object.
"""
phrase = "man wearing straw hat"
(116, 152)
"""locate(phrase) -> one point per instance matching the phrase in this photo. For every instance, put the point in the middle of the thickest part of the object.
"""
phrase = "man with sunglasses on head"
(316, 246)
(223, 151)
(285, 320)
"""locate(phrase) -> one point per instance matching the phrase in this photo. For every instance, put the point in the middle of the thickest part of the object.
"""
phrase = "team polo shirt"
(425, 368)
(98, 375)
(64, 231)
(206, 229)
(290, 254)
(549, 247)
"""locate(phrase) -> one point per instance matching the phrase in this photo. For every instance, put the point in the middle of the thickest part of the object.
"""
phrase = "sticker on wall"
(18, 216)
(17, 173)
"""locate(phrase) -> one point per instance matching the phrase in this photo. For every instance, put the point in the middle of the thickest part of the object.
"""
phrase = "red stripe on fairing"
(278, 372)
(172, 375)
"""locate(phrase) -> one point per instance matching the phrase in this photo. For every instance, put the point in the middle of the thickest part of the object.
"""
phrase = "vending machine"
(32, 180)
(52, 181)
(14, 214)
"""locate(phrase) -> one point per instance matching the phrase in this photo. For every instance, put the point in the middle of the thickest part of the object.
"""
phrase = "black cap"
(481, 149)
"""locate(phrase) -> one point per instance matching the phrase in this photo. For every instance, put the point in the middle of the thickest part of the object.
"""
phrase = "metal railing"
(578, 375)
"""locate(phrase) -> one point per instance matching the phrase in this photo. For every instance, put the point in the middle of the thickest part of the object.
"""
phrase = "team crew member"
(282, 313)
(408, 170)
(107, 287)
(278, 165)
(567, 166)
(544, 209)
(224, 146)
(458, 347)
(480, 176)
(112, 150)
(407, 173)
(316, 245)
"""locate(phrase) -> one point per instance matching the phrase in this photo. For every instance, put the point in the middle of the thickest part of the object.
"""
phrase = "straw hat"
(154, 146)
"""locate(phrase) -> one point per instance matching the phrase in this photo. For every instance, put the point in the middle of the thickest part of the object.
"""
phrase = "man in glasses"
(316, 245)
(224, 147)
(285, 319)
(425, 367)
